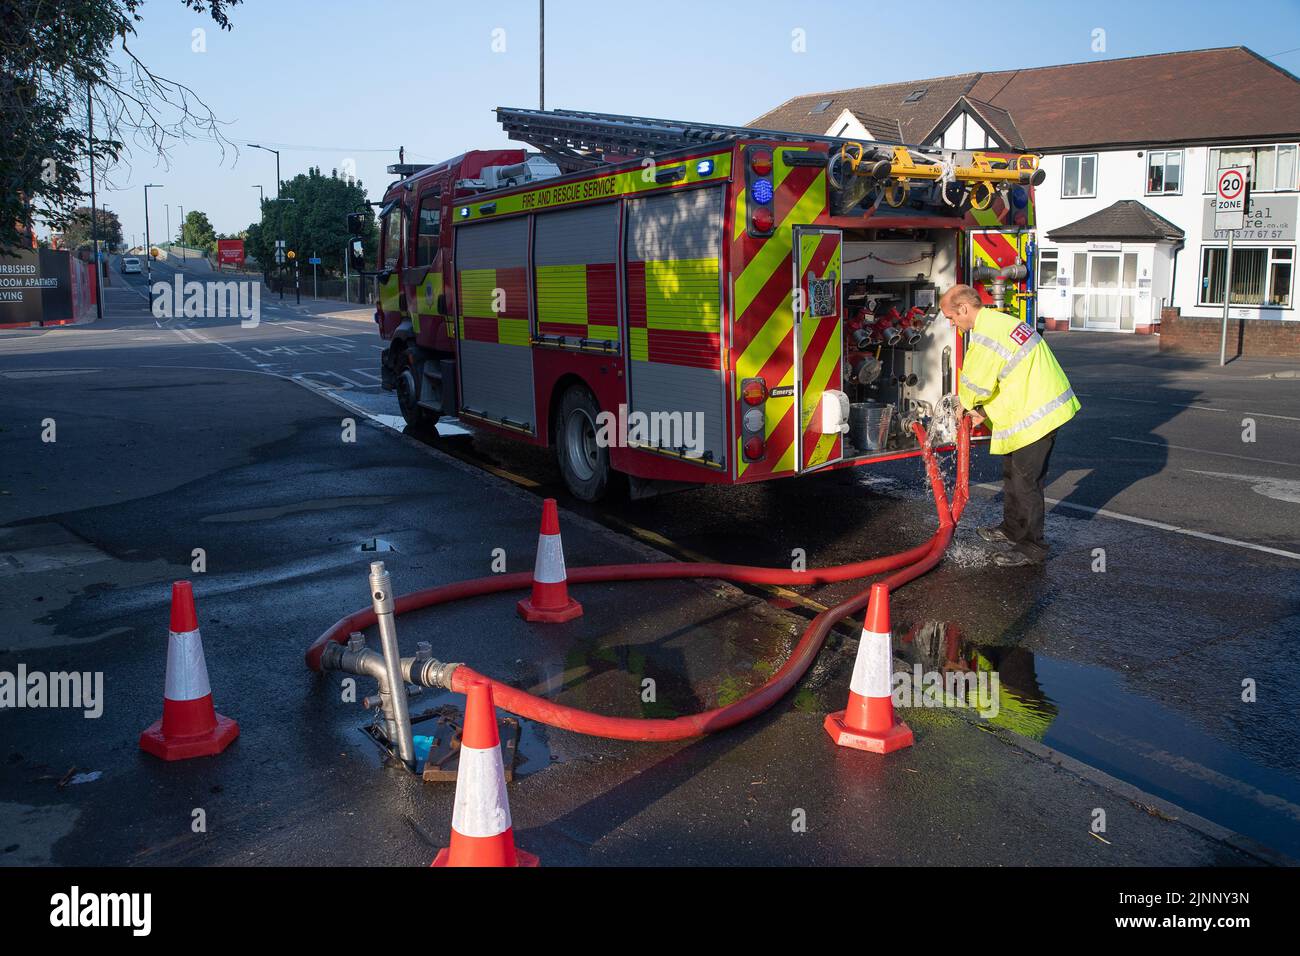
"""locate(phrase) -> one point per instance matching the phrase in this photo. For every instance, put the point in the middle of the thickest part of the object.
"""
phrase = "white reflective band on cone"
(549, 568)
(481, 807)
(187, 674)
(871, 671)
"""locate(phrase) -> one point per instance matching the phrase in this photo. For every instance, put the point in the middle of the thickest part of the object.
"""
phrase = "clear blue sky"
(334, 82)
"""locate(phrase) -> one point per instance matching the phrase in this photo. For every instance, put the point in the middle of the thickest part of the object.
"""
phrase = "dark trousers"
(1023, 471)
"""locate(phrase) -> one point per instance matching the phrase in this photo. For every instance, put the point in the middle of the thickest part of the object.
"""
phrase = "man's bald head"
(961, 304)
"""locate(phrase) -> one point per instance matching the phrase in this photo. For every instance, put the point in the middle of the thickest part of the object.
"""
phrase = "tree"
(315, 223)
(197, 231)
(53, 55)
(77, 232)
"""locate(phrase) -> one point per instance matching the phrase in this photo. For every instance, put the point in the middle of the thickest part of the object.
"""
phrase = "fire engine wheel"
(584, 462)
(408, 372)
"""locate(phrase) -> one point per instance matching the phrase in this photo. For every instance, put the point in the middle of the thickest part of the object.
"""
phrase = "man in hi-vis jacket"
(1010, 378)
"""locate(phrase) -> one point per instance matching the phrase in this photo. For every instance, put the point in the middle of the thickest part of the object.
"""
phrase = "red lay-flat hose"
(905, 566)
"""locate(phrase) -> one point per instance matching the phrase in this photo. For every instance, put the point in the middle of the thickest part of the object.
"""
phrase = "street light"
(182, 235)
(148, 249)
(261, 204)
(277, 165)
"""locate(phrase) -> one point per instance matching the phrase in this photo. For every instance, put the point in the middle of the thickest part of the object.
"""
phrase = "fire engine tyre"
(584, 462)
(408, 378)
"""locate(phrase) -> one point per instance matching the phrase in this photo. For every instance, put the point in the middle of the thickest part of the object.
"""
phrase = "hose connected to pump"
(906, 566)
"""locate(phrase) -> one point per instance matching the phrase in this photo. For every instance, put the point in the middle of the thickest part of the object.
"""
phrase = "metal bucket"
(869, 425)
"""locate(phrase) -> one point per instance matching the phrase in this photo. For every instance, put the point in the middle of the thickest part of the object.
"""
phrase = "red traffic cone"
(481, 830)
(550, 602)
(868, 723)
(190, 726)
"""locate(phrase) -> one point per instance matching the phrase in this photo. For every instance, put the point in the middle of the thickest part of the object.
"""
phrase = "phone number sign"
(1267, 218)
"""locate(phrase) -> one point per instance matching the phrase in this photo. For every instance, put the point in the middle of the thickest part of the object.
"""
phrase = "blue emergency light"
(704, 167)
(761, 190)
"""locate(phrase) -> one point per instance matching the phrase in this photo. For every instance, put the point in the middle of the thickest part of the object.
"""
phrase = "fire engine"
(766, 301)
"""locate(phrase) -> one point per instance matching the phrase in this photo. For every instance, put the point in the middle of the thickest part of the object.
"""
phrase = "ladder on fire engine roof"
(576, 139)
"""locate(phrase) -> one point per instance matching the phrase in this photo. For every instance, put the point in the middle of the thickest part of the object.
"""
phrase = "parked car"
(130, 264)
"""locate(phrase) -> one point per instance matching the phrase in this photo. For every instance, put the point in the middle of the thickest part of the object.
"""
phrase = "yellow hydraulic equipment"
(985, 174)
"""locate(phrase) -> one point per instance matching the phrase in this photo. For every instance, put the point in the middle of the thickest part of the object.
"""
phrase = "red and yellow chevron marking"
(763, 315)
(673, 312)
(494, 305)
(578, 301)
(996, 250)
(822, 347)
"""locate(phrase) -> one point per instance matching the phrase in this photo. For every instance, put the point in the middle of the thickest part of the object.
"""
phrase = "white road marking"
(314, 332)
(1159, 525)
(1202, 451)
(1199, 407)
(1279, 489)
(1116, 398)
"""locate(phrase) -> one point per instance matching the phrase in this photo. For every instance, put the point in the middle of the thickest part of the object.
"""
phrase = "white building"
(1126, 231)
(1130, 148)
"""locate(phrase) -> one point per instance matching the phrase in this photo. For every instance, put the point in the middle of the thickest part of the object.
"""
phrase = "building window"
(430, 225)
(1079, 177)
(1272, 168)
(1164, 172)
(1047, 268)
(821, 107)
(915, 96)
(1260, 276)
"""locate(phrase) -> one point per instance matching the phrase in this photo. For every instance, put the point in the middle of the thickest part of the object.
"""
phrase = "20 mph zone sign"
(1230, 197)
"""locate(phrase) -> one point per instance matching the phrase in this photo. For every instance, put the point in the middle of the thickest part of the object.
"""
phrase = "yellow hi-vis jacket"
(1009, 371)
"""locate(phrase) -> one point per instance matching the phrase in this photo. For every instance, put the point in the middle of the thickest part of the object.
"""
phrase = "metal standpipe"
(395, 707)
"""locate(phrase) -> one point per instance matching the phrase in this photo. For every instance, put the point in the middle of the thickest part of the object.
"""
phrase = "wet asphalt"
(1136, 671)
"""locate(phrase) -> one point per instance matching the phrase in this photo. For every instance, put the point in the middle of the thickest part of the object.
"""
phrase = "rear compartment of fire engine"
(899, 348)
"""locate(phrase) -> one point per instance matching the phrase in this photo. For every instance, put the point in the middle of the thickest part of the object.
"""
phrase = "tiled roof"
(1126, 219)
(1230, 94)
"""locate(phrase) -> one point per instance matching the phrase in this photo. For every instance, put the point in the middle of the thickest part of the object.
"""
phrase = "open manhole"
(437, 734)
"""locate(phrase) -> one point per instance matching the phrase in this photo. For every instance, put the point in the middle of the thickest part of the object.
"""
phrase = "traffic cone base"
(531, 612)
(182, 748)
(477, 851)
(895, 738)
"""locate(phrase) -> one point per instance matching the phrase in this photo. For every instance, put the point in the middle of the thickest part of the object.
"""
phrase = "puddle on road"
(1086, 712)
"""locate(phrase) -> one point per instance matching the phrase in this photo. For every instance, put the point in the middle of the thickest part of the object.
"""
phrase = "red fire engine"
(687, 303)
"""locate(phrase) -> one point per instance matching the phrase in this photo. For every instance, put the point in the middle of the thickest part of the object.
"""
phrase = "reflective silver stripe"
(992, 344)
(1036, 416)
(1030, 344)
(982, 392)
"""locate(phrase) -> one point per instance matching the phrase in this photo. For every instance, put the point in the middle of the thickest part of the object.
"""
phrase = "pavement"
(1123, 685)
